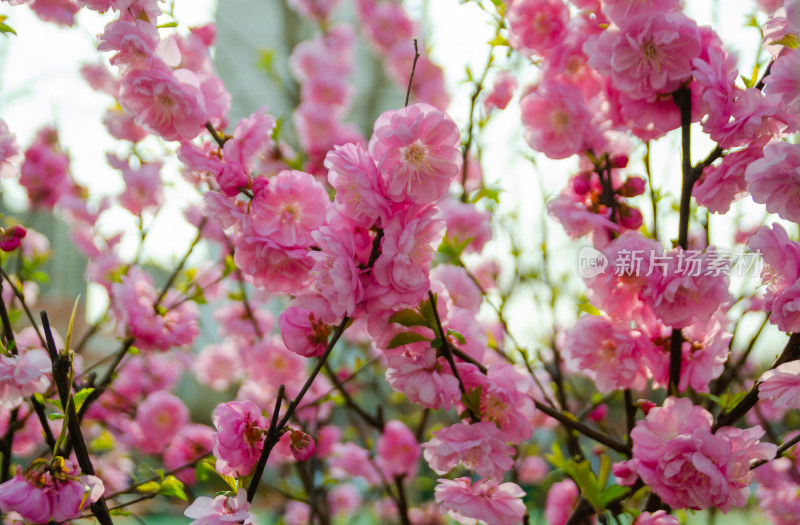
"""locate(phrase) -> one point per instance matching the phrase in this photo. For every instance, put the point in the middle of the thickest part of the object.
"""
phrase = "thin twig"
(413, 68)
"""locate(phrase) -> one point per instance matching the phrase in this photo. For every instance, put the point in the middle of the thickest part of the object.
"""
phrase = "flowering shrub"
(363, 355)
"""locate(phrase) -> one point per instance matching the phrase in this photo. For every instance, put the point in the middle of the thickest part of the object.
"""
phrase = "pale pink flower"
(10, 154)
(781, 385)
(532, 470)
(610, 354)
(463, 291)
(783, 81)
(218, 366)
(680, 295)
(122, 126)
(466, 224)
(557, 120)
(425, 379)
(719, 186)
(502, 90)
(774, 180)
(561, 499)
(142, 186)
(220, 510)
(397, 450)
(336, 276)
(537, 26)
(687, 466)
(158, 419)
(777, 491)
(191, 442)
(756, 120)
(417, 150)
(658, 517)
(216, 97)
(234, 321)
(480, 447)
(318, 10)
(99, 78)
(238, 440)
(348, 459)
(61, 12)
(22, 376)
(781, 258)
(136, 43)
(407, 248)
(484, 500)
(133, 302)
(271, 266)
(651, 53)
(577, 220)
(45, 171)
(619, 11)
(354, 175)
(344, 499)
(165, 102)
(297, 513)
(251, 139)
(291, 207)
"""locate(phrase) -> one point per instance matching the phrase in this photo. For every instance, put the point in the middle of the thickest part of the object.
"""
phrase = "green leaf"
(230, 266)
(55, 417)
(404, 338)
(436, 343)
(42, 277)
(408, 317)
(5, 28)
(613, 493)
(150, 486)
(168, 24)
(172, 486)
(80, 397)
(588, 308)
(791, 41)
(426, 309)
(498, 40)
(458, 336)
(472, 400)
(266, 59)
(119, 512)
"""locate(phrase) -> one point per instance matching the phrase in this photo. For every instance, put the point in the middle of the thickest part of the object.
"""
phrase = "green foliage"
(593, 487)
(405, 338)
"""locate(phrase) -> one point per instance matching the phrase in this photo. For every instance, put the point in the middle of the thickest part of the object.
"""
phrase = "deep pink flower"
(537, 26)
(191, 442)
(45, 171)
(777, 491)
(11, 237)
(561, 499)
(397, 450)
(675, 453)
(658, 517)
(480, 447)
(781, 385)
(303, 330)
(336, 275)
(165, 102)
(250, 140)
(417, 150)
(354, 175)
(238, 440)
(774, 180)
(756, 120)
(158, 419)
(223, 509)
(502, 90)
(484, 500)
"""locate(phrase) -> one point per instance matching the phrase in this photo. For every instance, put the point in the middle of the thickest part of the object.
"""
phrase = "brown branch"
(413, 69)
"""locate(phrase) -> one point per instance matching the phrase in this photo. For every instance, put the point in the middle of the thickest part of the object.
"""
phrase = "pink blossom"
(561, 500)
(675, 453)
(720, 186)
(191, 442)
(619, 11)
(251, 139)
(480, 447)
(99, 77)
(303, 331)
(133, 302)
(532, 470)
(461, 289)
(297, 513)
(318, 10)
(397, 450)
(658, 517)
(136, 43)
(45, 171)
(777, 491)
(781, 385)
(291, 207)
(348, 459)
(466, 224)
(158, 419)
(756, 120)
(22, 376)
(417, 150)
(423, 378)
(344, 499)
(354, 175)
(611, 355)
(217, 366)
(578, 220)
(220, 510)
(142, 185)
(680, 294)
(557, 121)
(401, 270)
(783, 81)
(271, 266)
(774, 180)
(302, 445)
(336, 276)
(61, 12)
(502, 90)
(10, 154)
(11, 237)
(537, 26)
(238, 440)
(651, 53)
(122, 126)
(165, 102)
(484, 500)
